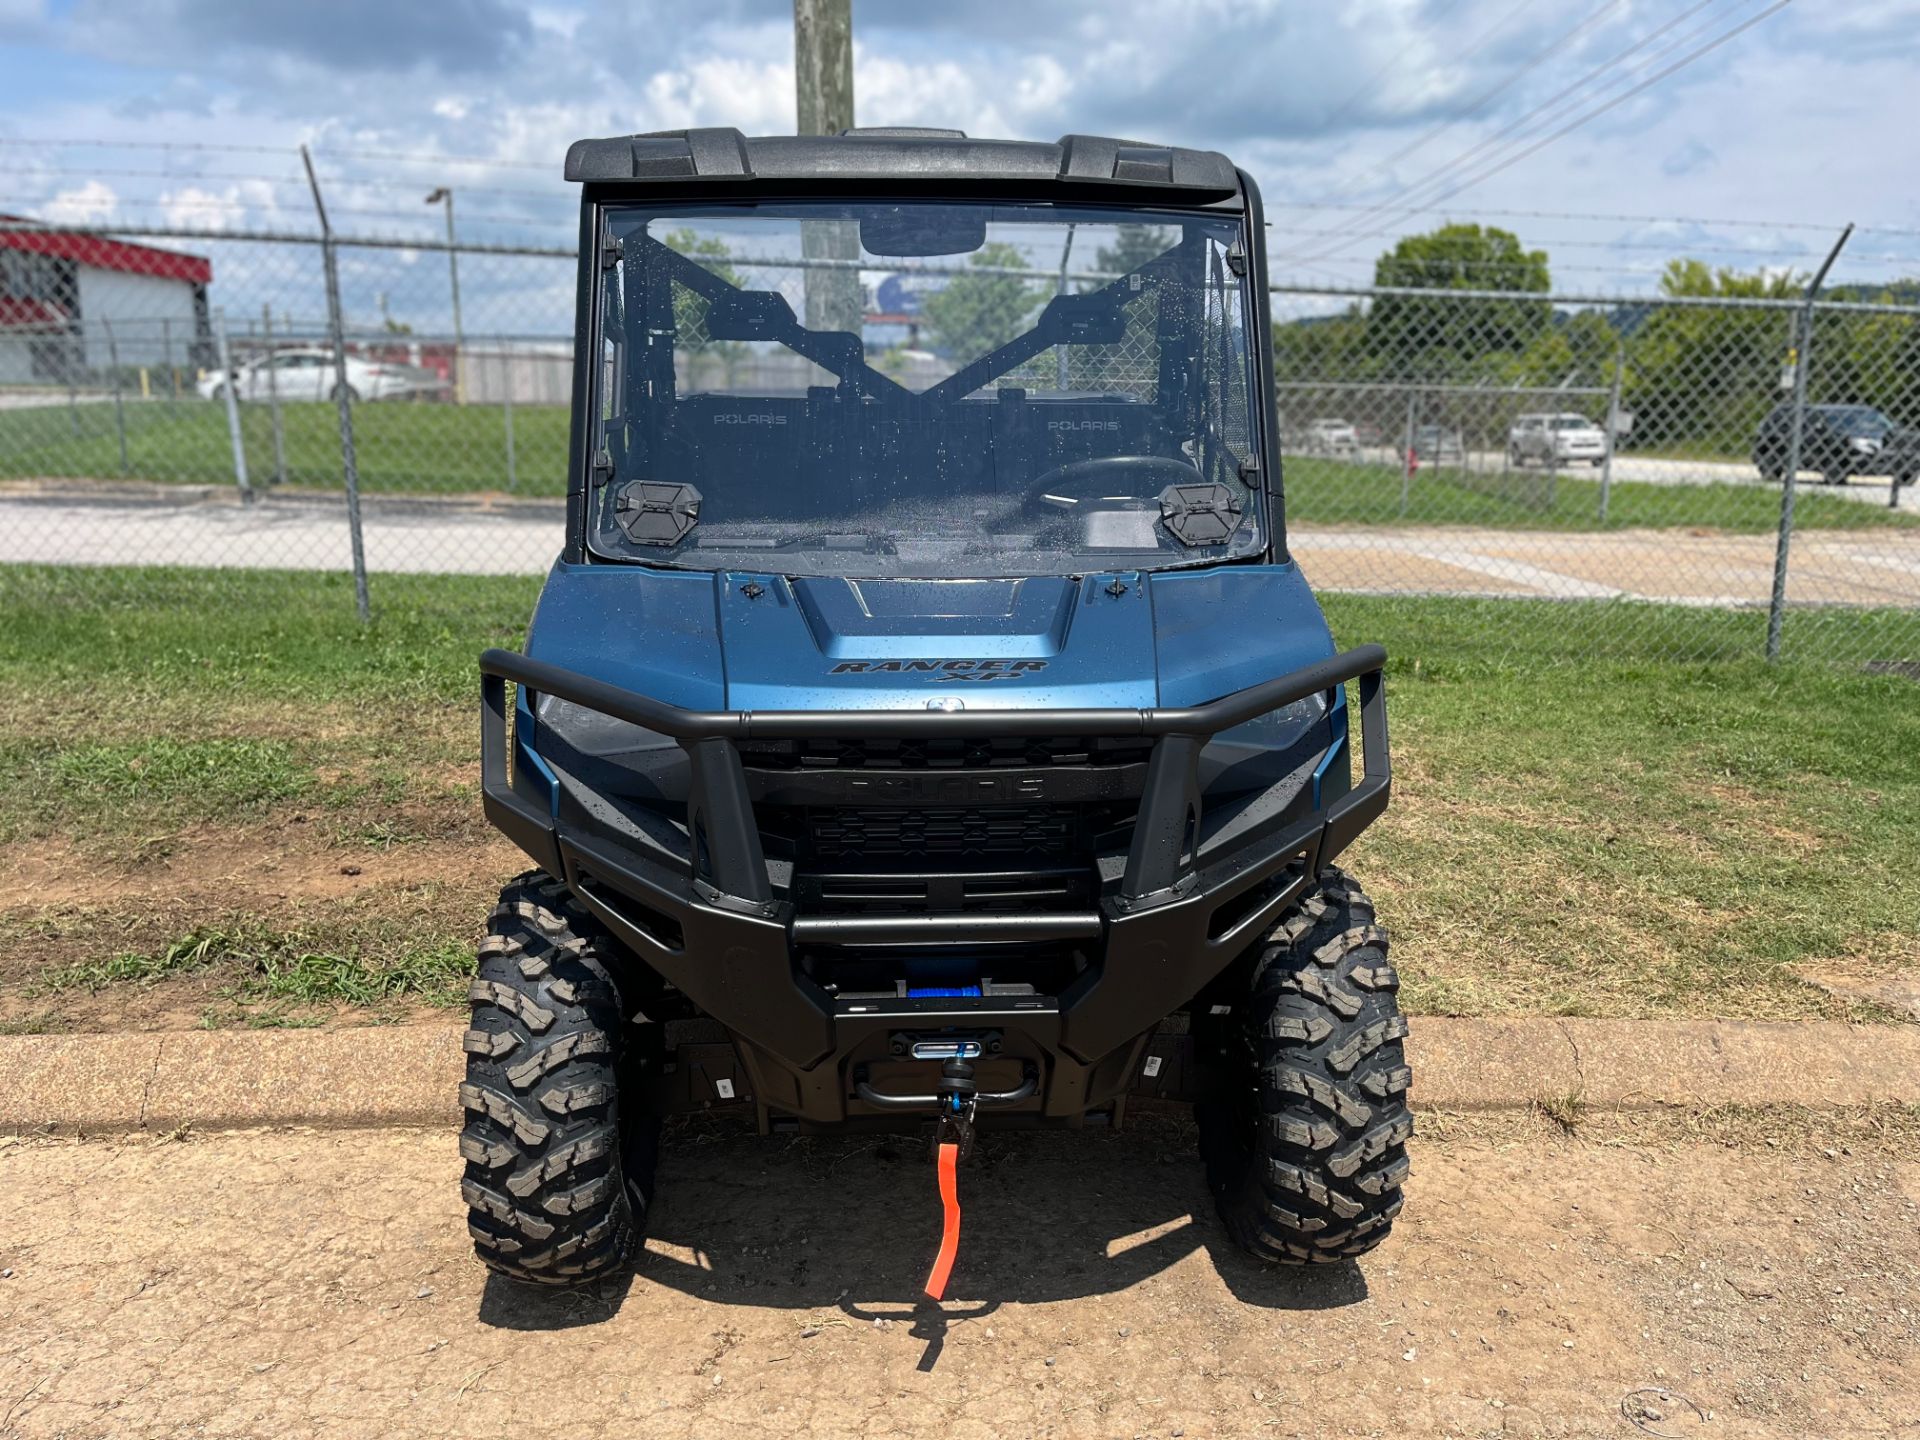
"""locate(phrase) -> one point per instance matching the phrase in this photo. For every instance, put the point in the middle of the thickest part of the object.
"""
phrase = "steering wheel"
(1111, 482)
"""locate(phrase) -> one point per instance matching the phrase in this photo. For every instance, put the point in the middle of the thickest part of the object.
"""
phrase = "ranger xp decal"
(943, 669)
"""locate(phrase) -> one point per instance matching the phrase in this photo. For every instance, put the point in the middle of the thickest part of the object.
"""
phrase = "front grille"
(833, 893)
(1013, 832)
(946, 753)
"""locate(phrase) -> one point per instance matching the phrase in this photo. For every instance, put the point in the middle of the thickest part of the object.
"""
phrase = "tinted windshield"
(1571, 422)
(924, 389)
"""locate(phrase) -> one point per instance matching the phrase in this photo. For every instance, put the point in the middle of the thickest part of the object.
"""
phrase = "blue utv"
(925, 724)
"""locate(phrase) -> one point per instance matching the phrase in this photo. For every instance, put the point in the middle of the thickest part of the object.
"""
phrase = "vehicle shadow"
(846, 1227)
(515, 1305)
(853, 1221)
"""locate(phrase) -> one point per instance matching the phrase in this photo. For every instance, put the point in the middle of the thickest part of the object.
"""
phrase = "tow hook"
(959, 1099)
(952, 1143)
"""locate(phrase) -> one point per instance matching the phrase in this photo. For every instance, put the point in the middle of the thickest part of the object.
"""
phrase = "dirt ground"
(300, 1283)
(73, 909)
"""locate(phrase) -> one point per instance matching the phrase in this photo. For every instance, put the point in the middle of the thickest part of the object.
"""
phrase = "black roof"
(943, 158)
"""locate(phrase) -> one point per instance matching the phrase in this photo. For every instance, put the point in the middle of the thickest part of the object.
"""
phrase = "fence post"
(119, 409)
(76, 362)
(227, 384)
(1803, 345)
(1613, 431)
(173, 371)
(273, 398)
(1409, 457)
(507, 369)
(337, 332)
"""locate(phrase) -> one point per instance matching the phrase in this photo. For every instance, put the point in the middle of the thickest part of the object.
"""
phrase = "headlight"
(592, 733)
(1262, 752)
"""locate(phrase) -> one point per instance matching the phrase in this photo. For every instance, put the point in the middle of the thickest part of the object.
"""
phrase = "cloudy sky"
(1362, 119)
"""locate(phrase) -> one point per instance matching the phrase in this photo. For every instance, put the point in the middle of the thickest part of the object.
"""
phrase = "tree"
(1703, 377)
(691, 336)
(972, 315)
(1462, 339)
(1133, 246)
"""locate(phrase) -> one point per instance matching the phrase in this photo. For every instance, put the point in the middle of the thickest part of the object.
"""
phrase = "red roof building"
(74, 302)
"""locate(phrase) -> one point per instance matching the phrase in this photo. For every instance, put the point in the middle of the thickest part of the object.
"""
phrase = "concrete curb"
(375, 1076)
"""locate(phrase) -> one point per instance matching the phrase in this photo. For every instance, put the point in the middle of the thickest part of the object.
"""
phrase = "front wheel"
(559, 1170)
(1305, 1131)
(352, 395)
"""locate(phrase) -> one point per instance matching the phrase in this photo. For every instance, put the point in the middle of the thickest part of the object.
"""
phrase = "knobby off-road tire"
(558, 1176)
(1305, 1136)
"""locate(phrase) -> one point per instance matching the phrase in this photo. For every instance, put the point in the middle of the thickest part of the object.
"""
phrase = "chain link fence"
(173, 398)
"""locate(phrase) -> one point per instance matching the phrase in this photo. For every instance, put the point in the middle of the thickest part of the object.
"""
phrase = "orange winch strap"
(949, 1162)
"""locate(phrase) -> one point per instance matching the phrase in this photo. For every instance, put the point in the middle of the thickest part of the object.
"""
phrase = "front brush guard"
(716, 930)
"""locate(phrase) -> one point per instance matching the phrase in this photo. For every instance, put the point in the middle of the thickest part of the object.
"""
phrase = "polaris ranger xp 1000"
(925, 724)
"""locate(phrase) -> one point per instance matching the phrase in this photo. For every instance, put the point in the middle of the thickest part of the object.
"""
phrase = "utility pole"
(444, 196)
(823, 65)
(823, 94)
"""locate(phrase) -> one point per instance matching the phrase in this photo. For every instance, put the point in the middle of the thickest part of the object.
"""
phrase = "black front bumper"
(714, 928)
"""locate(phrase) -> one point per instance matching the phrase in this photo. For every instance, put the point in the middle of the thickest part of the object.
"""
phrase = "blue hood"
(764, 642)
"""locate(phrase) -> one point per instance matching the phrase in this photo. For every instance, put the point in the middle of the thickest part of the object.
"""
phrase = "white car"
(1565, 439)
(308, 374)
(1332, 437)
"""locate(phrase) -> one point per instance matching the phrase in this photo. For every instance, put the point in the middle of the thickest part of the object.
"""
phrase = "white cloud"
(238, 206)
(1798, 120)
(86, 204)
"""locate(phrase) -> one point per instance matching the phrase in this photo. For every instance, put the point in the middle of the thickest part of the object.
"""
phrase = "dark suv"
(1839, 441)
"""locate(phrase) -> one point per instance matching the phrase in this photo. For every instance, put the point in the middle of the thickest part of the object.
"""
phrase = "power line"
(319, 146)
(215, 203)
(1678, 249)
(1714, 44)
(1514, 157)
(1414, 188)
(1272, 204)
(1480, 102)
(1346, 106)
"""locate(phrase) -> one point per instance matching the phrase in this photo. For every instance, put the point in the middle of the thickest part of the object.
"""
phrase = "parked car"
(308, 374)
(1564, 439)
(1332, 437)
(1436, 445)
(1839, 441)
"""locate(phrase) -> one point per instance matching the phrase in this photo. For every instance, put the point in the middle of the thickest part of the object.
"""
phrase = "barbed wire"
(319, 146)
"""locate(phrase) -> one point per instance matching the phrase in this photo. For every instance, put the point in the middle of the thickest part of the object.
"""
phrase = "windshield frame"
(1260, 471)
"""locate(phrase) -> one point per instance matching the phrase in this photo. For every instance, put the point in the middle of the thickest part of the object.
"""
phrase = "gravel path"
(297, 1283)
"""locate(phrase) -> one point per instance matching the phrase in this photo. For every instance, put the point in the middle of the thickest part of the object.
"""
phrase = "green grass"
(402, 447)
(196, 950)
(138, 705)
(1616, 835)
(209, 636)
(1608, 835)
(283, 968)
(405, 448)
